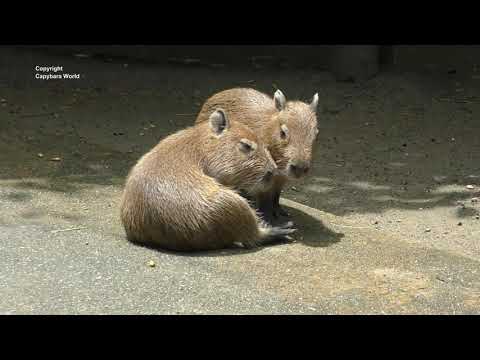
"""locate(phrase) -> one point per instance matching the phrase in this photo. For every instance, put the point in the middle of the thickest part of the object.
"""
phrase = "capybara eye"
(245, 147)
(283, 131)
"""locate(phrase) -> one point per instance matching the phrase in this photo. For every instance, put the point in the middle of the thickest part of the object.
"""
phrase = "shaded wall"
(349, 63)
(460, 58)
(239, 55)
(346, 62)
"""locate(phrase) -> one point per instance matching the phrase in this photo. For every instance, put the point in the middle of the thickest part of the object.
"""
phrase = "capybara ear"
(314, 103)
(279, 100)
(218, 121)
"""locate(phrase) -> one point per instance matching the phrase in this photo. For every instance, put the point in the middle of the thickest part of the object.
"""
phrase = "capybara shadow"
(310, 230)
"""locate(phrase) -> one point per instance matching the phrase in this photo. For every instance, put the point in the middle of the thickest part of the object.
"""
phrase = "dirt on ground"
(388, 220)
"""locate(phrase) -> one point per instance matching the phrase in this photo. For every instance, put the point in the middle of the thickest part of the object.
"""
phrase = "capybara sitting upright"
(288, 129)
(182, 195)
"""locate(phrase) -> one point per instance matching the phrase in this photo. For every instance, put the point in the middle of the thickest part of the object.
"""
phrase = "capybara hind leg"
(271, 234)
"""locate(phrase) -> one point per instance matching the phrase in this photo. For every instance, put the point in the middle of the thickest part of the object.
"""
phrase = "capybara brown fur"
(183, 194)
(288, 128)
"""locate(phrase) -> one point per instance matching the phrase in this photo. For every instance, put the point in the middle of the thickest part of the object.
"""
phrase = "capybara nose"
(299, 169)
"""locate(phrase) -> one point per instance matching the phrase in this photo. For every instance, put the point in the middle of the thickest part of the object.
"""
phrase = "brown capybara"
(182, 195)
(288, 129)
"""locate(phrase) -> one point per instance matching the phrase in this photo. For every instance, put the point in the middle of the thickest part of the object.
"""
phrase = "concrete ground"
(388, 221)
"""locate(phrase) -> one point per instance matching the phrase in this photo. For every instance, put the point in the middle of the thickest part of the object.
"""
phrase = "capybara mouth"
(298, 171)
(295, 176)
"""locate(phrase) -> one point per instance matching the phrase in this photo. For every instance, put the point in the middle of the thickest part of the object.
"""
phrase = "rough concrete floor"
(386, 221)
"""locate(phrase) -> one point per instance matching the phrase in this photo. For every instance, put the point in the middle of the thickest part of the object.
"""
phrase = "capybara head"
(236, 157)
(293, 134)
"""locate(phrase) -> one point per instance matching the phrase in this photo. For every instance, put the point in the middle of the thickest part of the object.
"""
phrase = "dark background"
(356, 61)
